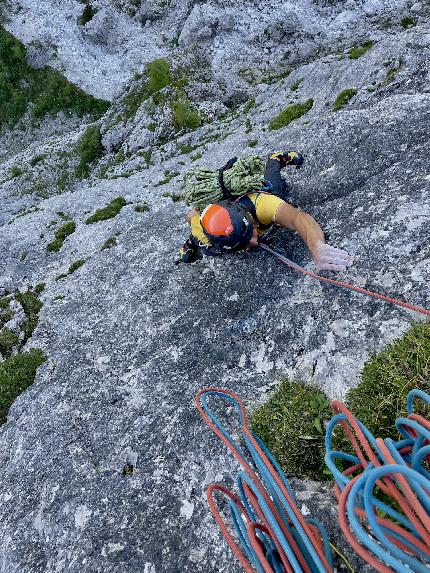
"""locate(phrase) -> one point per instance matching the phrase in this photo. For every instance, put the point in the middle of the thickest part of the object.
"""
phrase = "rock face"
(104, 460)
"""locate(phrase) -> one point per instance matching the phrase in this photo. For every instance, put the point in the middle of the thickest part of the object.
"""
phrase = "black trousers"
(273, 174)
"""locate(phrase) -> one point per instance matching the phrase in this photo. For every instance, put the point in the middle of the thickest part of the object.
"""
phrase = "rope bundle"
(392, 533)
(202, 186)
(271, 533)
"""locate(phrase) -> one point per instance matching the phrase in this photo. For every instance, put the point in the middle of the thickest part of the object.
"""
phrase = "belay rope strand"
(341, 284)
(273, 534)
(392, 533)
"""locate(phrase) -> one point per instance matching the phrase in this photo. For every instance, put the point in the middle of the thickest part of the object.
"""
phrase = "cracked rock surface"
(104, 461)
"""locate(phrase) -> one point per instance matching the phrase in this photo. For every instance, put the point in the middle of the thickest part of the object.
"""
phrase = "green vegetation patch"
(291, 424)
(89, 149)
(46, 89)
(407, 22)
(358, 51)
(142, 208)
(109, 212)
(17, 373)
(16, 171)
(387, 379)
(73, 267)
(249, 105)
(290, 114)
(109, 243)
(159, 77)
(184, 117)
(37, 159)
(296, 85)
(343, 98)
(5, 316)
(8, 340)
(31, 304)
(87, 15)
(252, 143)
(60, 236)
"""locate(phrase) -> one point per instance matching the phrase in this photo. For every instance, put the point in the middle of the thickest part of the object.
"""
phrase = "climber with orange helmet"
(232, 225)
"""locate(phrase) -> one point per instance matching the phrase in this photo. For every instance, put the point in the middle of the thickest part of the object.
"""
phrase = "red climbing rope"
(341, 284)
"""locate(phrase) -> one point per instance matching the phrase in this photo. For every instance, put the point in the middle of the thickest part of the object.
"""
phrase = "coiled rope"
(393, 533)
(202, 185)
(341, 284)
(272, 535)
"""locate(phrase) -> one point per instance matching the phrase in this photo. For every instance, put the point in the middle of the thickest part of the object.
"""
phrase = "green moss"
(168, 178)
(63, 215)
(249, 105)
(248, 126)
(296, 85)
(343, 98)
(358, 51)
(76, 265)
(16, 374)
(37, 159)
(184, 117)
(32, 306)
(89, 149)
(173, 197)
(4, 301)
(16, 172)
(159, 75)
(186, 148)
(60, 236)
(87, 15)
(196, 156)
(252, 143)
(152, 126)
(109, 243)
(5, 316)
(291, 424)
(109, 212)
(407, 22)
(8, 340)
(142, 208)
(290, 114)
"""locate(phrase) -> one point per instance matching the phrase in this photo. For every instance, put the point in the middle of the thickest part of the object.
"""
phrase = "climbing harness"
(272, 534)
(341, 284)
(393, 533)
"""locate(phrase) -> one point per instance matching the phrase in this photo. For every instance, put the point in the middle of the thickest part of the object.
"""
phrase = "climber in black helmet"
(232, 225)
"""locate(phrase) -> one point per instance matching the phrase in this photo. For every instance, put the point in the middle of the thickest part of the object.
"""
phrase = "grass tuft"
(31, 304)
(8, 340)
(17, 373)
(109, 212)
(290, 114)
(184, 117)
(109, 243)
(407, 22)
(60, 236)
(343, 98)
(291, 424)
(358, 51)
(296, 85)
(87, 15)
(89, 149)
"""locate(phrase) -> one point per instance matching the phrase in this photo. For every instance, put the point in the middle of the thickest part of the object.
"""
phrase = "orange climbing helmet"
(227, 225)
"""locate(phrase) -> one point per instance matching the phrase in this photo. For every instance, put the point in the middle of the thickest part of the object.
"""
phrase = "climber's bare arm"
(325, 256)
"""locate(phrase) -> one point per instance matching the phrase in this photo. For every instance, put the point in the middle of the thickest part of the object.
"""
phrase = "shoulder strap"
(249, 205)
(226, 193)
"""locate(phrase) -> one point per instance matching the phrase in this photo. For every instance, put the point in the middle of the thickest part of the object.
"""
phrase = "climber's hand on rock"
(328, 258)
